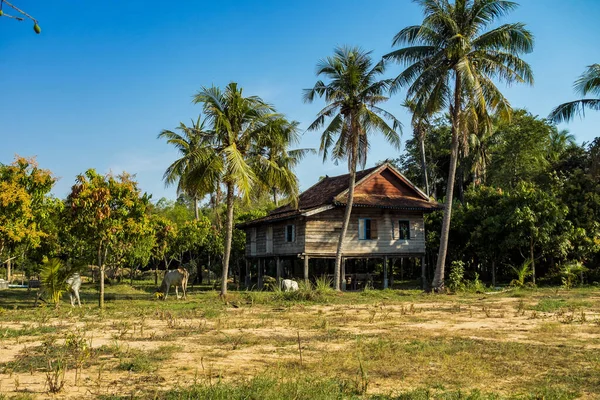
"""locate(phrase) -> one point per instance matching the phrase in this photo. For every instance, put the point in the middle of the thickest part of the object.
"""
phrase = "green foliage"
(571, 271)
(456, 277)
(111, 217)
(24, 203)
(588, 83)
(522, 273)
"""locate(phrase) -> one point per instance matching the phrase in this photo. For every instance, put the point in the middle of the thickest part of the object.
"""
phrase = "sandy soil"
(246, 341)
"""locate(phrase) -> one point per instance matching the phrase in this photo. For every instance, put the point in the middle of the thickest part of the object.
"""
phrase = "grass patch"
(9, 333)
(145, 361)
(555, 304)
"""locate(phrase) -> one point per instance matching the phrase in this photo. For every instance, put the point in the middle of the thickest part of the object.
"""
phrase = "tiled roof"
(327, 189)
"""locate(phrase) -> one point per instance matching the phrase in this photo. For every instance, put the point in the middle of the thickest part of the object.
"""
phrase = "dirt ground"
(456, 341)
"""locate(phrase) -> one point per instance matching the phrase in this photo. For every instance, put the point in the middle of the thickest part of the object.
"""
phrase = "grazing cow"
(73, 283)
(289, 285)
(177, 277)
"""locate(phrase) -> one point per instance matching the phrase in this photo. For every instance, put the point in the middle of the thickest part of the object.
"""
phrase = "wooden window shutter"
(393, 230)
(373, 229)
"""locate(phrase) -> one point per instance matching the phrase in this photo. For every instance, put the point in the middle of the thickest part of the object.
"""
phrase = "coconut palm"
(420, 124)
(559, 142)
(353, 93)
(588, 83)
(187, 143)
(233, 153)
(453, 61)
(277, 176)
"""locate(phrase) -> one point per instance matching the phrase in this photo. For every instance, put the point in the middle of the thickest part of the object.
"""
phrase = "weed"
(55, 375)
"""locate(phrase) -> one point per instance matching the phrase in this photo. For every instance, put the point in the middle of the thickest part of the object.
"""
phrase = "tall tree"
(420, 124)
(187, 143)
(353, 93)
(278, 175)
(453, 60)
(230, 152)
(24, 204)
(106, 211)
(588, 83)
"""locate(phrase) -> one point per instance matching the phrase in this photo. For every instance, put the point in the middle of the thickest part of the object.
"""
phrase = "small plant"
(523, 272)
(570, 272)
(55, 376)
(456, 278)
(364, 377)
(323, 285)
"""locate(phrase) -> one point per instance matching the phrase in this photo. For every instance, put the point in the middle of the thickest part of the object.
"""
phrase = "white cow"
(289, 285)
(177, 277)
(74, 283)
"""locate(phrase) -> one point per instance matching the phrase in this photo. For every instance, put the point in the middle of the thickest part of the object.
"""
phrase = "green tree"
(535, 223)
(588, 83)
(453, 60)
(353, 94)
(24, 205)
(235, 146)
(106, 210)
(188, 144)
(520, 151)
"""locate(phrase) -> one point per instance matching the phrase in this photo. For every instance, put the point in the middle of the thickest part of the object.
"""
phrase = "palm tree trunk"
(228, 236)
(217, 201)
(275, 197)
(424, 164)
(347, 213)
(438, 278)
(196, 214)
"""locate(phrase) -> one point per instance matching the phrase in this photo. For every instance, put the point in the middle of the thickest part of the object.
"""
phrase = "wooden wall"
(322, 233)
(280, 246)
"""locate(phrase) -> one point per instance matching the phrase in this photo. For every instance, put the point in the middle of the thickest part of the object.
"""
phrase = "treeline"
(528, 201)
(107, 222)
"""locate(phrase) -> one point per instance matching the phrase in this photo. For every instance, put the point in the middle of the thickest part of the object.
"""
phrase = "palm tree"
(589, 82)
(187, 143)
(233, 150)
(452, 61)
(420, 124)
(352, 93)
(559, 142)
(278, 175)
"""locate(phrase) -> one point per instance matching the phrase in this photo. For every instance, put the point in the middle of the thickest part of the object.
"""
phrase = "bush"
(456, 278)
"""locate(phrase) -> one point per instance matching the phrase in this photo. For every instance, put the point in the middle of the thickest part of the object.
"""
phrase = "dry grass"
(401, 344)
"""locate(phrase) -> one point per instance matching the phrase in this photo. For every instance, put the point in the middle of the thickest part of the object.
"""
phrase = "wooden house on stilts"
(386, 224)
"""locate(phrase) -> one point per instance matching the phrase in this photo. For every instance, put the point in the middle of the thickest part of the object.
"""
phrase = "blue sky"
(104, 78)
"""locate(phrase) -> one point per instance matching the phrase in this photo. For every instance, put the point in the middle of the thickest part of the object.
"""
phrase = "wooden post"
(343, 275)
(392, 272)
(306, 258)
(423, 275)
(248, 274)
(401, 268)
(260, 273)
(278, 268)
(385, 272)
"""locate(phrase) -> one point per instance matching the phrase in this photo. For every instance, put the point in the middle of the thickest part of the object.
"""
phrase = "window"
(269, 238)
(364, 229)
(404, 230)
(290, 233)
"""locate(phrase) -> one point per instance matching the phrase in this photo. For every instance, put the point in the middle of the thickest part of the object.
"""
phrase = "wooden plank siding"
(322, 233)
(386, 184)
(280, 246)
